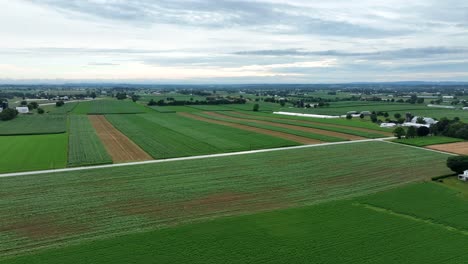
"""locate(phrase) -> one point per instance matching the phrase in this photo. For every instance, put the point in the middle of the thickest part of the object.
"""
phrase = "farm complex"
(142, 178)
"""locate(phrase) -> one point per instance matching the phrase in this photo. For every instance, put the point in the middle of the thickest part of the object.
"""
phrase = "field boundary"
(16, 174)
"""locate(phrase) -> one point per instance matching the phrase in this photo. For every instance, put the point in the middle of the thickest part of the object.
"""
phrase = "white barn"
(464, 176)
(22, 109)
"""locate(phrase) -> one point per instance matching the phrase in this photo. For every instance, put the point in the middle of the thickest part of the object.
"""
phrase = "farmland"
(23, 153)
(359, 232)
(171, 135)
(34, 125)
(99, 203)
(84, 146)
(109, 107)
(426, 141)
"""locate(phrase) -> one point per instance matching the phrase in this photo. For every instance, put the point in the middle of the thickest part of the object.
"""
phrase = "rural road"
(17, 174)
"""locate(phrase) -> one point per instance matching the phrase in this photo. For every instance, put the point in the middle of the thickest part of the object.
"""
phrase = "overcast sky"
(219, 41)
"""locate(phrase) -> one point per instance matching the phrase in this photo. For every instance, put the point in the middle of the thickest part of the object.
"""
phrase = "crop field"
(460, 148)
(101, 203)
(109, 107)
(426, 141)
(64, 109)
(84, 146)
(263, 106)
(34, 125)
(172, 135)
(360, 132)
(211, 107)
(343, 122)
(25, 153)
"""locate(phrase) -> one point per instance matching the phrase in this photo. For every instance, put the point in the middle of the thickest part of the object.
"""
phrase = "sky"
(216, 41)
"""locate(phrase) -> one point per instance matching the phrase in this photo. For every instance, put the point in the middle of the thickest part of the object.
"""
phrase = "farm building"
(388, 125)
(464, 176)
(465, 108)
(366, 113)
(22, 109)
(441, 106)
(1, 109)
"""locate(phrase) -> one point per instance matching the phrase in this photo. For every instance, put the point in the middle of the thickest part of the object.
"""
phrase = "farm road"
(17, 174)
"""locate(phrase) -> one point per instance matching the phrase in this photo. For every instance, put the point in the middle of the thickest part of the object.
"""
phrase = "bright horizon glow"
(263, 41)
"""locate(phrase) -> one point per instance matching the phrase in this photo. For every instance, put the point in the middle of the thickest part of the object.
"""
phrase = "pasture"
(109, 106)
(172, 135)
(96, 204)
(38, 152)
(84, 146)
(426, 141)
(34, 125)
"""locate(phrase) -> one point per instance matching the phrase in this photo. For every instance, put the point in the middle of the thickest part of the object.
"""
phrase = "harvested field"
(120, 147)
(299, 128)
(457, 148)
(302, 140)
(318, 123)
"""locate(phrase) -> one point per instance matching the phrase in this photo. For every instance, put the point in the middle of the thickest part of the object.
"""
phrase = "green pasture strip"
(172, 135)
(328, 233)
(64, 109)
(275, 128)
(210, 107)
(355, 122)
(37, 152)
(84, 146)
(263, 107)
(426, 141)
(34, 125)
(109, 107)
(349, 130)
(73, 206)
(430, 202)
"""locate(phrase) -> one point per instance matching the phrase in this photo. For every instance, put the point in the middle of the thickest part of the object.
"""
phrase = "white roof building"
(388, 125)
(22, 109)
(464, 176)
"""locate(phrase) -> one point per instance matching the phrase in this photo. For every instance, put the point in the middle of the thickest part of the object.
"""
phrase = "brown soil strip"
(119, 147)
(321, 124)
(299, 139)
(457, 148)
(299, 128)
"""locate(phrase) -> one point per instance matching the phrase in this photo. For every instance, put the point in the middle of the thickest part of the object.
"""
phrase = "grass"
(426, 141)
(111, 106)
(171, 135)
(371, 133)
(66, 108)
(75, 206)
(34, 125)
(25, 153)
(334, 232)
(355, 122)
(84, 146)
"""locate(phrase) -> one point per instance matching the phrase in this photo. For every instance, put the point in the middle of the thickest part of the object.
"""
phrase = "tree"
(282, 103)
(458, 164)
(349, 116)
(121, 96)
(256, 107)
(420, 120)
(136, 97)
(361, 116)
(420, 101)
(385, 114)
(152, 102)
(8, 114)
(40, 111)
(59, 103)
(423, 131)
(93, 95)
(397, 115)
(373, 118)
(399, 132)
(24, 103)
(411, 133)
(34, 105)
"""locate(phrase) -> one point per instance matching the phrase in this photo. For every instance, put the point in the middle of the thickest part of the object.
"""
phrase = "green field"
(109, 106)
(39, 152)
(75, 206)
(426, 141)
(348, 231)
(172, 135)
(84, 146)
(34, 125)
(370, 133)
(66, 108)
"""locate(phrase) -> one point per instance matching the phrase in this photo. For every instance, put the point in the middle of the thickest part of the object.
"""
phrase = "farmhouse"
(22, 109)
(464, 176)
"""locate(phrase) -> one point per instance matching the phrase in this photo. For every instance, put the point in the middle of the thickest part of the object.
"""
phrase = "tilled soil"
(457, 148)
(119, 147)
